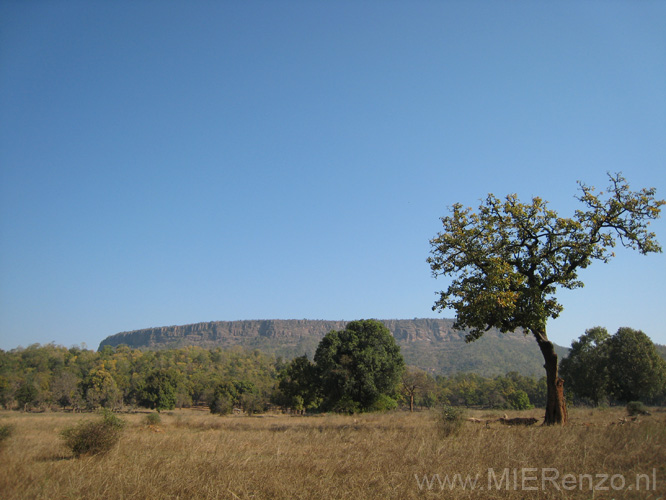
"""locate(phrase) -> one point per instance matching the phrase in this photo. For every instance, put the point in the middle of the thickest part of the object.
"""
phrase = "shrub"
(153, 419)
(346, 405)
(6, 432)
(519, 400)
(383, 403)
(94, 437)
(450, 420)
(637, 408)
(221, 404)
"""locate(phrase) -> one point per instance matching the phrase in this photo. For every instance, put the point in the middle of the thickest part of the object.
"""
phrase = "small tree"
(508, 259)
(65, 389)
(414, 383)
(100, 389)
(26, 394)
(159, 391)
(300, 385)
(224, 397)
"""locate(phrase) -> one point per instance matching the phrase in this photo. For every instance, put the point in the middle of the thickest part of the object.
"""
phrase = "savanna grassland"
(196, 455)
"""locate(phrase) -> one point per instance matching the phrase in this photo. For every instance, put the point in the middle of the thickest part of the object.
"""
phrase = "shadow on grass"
(54, 458)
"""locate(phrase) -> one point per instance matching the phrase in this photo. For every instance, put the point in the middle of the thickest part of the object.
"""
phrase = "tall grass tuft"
(94, 437)
(153, 419)
(6, 431)
(451, 420)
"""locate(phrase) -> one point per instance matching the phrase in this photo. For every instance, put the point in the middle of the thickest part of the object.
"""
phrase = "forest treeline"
(52, 377)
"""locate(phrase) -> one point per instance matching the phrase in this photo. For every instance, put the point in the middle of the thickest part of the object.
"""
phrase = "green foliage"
(6, 431)
(223, 400)
(357, 365)
(297, 403)
(54, 376)
(94, 437)
(238, 393)
(252, 379)
(470, 389)
(159, 391)
(101, 390)
(346, 405)
(27, 393)
(414, 385)
(252, 402)
(153, 419)
(508, 258)
(450, 420)
(65, 390)
(636, 408)
(519, 400)
(6, 395)
(623, 367)
(636, 369)
(299, 385)
(585, 369)
(383, 403)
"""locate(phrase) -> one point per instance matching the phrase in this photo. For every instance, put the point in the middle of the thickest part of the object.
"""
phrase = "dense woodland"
(52, 377)
(55, 377)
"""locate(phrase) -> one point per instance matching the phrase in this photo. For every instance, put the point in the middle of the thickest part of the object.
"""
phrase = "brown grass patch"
(201, 456)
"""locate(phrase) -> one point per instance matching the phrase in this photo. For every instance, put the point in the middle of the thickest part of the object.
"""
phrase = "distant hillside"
(661, 349)
(430, 344)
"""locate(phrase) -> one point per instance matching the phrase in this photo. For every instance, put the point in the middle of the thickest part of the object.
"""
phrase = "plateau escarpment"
(428, 343)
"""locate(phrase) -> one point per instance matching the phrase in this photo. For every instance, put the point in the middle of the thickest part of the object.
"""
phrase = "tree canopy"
(508, 259)
(623, 367)
(586, 367)
(358, 366)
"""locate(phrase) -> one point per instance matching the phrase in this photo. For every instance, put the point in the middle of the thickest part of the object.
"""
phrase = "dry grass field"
(195, 455)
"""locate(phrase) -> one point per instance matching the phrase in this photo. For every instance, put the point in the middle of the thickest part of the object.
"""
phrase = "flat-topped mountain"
(431, 344)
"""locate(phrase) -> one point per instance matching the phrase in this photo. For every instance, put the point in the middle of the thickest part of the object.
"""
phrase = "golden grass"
(195, 455)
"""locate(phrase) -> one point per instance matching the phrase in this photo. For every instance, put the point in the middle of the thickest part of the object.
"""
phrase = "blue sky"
(168, 163)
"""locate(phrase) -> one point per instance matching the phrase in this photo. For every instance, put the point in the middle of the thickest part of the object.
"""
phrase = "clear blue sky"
(174, 162)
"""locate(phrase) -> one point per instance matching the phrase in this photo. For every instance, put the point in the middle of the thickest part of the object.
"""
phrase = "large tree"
(638, 372)
(508, 259)
(625, 367)
(586, 367)
(358, 367)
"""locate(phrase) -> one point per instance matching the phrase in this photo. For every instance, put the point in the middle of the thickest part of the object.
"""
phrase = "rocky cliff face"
(224, 333)
(431, 344)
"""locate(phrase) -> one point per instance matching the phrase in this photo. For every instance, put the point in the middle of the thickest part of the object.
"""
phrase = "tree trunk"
(556, 408)
(411, 402)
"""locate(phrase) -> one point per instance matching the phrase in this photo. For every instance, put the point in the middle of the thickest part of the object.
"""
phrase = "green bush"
(94, 437)
(6, 431)
(451, 420)
(221, 404)
(347, 405)
(153, 419)
(383, 403)
(637, 408)
(519, 400)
